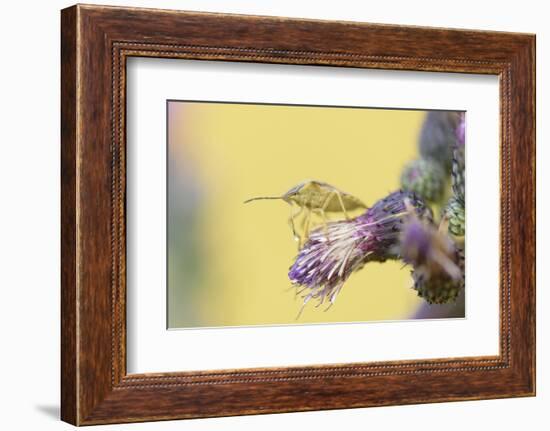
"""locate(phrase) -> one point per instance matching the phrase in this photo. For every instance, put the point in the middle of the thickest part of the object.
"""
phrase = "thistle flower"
(438, 264)
(455, 214)
(437, 137)
(424, 177)
(333, 253)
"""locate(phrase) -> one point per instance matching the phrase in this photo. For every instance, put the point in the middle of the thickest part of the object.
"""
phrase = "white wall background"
(29, 216)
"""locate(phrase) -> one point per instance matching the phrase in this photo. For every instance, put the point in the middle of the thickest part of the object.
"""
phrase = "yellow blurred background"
(228, 262)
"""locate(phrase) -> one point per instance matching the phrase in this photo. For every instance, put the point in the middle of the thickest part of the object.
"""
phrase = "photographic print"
(248, 213)
(297, 214)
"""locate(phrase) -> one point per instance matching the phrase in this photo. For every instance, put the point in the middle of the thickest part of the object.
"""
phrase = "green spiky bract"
(456, 216)
(458, 177)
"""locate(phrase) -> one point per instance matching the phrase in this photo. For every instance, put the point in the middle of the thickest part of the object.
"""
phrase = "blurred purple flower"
(423, 246)
(438, 264)
(332, 254)
(440, 287)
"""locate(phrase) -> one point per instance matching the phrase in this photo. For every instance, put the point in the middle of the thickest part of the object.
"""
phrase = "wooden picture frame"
(95, 43)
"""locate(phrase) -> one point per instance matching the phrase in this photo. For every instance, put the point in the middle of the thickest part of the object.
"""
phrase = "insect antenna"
(262, 198)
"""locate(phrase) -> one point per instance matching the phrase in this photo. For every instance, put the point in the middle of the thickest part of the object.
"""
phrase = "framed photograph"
(264, 215)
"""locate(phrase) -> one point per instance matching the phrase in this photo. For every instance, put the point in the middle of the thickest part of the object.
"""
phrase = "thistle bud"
(437, 137)
(438, 289)
(424, 177)
(438, 264)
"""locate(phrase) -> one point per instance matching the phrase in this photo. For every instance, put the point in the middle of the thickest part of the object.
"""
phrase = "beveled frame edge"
(96, 41)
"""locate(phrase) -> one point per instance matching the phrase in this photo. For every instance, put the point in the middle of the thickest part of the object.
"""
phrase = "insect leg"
(324, 207)
(323, 216)
(306, 228)
(293, 215)
(339, 196)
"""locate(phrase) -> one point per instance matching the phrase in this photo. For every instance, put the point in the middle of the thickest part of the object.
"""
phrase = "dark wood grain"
(68, 218)
(96, 41)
